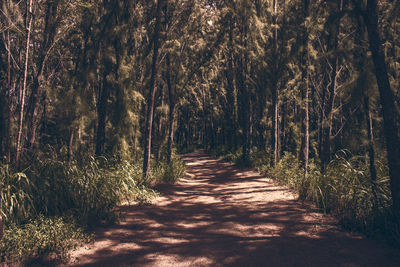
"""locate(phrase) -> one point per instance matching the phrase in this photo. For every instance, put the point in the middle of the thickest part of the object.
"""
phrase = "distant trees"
(298, 74)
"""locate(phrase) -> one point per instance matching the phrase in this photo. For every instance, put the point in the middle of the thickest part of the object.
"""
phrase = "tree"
(152, 91)
(390, 114)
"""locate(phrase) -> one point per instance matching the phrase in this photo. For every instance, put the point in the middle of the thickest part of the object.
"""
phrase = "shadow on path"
(223, 215)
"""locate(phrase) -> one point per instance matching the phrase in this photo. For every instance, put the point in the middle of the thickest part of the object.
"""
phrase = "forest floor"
(223, 215)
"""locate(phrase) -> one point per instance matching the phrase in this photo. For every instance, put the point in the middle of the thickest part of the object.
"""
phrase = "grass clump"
(174, 170)
(41, 237)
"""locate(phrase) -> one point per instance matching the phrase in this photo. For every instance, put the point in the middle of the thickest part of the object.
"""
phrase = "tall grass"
(345, 190)
(87, 192)
(174, 170)
(16, 199)
(41, 236)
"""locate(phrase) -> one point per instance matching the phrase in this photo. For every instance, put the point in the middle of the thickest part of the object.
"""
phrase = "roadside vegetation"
(50, 207)
(344, 190)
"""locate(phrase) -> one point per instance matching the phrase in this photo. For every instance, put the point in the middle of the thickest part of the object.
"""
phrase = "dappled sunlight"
(219, 215)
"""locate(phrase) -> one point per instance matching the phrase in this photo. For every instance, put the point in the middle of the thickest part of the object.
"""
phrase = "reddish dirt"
(223, 215)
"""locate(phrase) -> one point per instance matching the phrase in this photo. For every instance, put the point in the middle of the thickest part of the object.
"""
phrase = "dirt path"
(221, 215)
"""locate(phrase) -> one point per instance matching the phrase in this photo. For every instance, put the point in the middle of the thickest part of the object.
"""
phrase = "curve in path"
(222, 215)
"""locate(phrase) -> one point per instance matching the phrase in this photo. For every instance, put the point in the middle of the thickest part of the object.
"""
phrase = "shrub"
(87, 191)
(287, 172)
(345, 189)
(233, 156)
(39, 238)
(174, 170)
(16, 192)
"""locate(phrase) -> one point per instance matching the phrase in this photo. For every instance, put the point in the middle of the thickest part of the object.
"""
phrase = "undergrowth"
(345, 189)
(173, 171)
(40, 237)
(38, 203)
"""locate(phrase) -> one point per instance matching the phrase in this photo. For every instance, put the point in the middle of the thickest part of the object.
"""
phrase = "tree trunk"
(371, 150)
(171, 120)
(160, 135)
(390, 116)
(70, 144)
(231, 118)
(328, 125)
(275, 94)
(5, 109)
(306, 118)
(47, 41)
(101, 117)
(275, 124)
(152, 93)
(29, 18)
(1, 228)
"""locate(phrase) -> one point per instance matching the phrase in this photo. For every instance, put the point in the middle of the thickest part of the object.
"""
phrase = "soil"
(223, 215)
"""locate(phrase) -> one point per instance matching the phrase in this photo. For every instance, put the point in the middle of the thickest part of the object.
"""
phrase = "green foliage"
(345, 190)
(233, 156)
(287, 172)
(351, 193)
(167, 172)
(86, 191)
(41, 237)
(90, 190)
(174, 170)
(16, 195)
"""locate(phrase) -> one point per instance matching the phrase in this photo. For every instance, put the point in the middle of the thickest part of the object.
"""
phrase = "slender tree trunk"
(327, 128)
(160, 135)
(5, 109)
(3, 106)
(283, 135)
(321, 119)
(48, 40)
(251, 115)
(3, 123)
(306, 119)
(362, 61)
(101, 117)
(307, 130)
(171, 120)
(390, 116)
(244, 96)
(70, 144)
(231, 118)
(1, 228)
(29, 17)
(275, 125)
(152, 93)
(371, 150)
(275, 94)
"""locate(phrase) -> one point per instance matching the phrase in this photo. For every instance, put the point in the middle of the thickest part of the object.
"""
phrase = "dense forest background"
(97, 97)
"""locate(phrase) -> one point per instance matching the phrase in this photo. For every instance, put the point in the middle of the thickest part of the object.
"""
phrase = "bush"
(16, 192)
(41, 237)
(87, 191)
(345, 189)
(287, 172)
(174, 170)
(233, 156)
